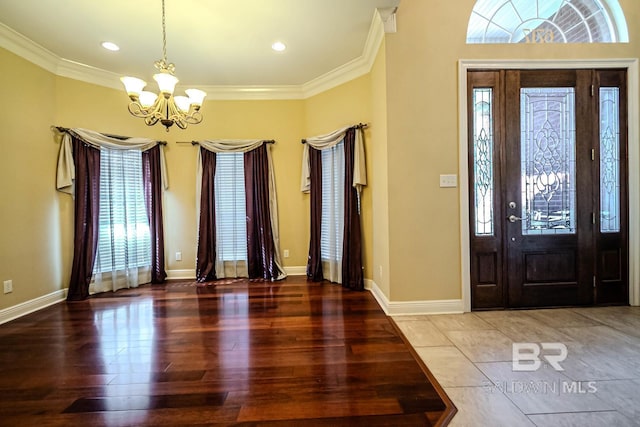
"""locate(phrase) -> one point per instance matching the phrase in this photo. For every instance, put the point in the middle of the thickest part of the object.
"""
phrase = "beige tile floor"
(471, 356)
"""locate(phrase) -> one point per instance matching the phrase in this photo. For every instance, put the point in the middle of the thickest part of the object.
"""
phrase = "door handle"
(513, 218)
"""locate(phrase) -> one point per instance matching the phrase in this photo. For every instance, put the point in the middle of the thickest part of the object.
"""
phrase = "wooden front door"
(548, 184)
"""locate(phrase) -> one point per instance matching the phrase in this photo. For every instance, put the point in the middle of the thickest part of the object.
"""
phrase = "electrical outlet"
(286, 253)
(380, 271)
(178, 256)
(8, 286)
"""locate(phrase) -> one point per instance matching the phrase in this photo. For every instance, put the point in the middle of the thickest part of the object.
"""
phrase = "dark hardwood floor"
(290, 353)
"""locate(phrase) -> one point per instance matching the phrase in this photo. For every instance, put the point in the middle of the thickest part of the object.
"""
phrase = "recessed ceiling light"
(110, 46)
(278, 46)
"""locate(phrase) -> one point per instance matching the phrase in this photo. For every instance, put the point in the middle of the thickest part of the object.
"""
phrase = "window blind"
(332, 228)
(230, 205)
(124, 240)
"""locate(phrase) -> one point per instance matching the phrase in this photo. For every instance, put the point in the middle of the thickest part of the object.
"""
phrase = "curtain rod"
(267, 141)
(110, 135)
(358, 126)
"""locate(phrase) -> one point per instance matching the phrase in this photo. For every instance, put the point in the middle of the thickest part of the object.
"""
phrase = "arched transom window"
(547, 21)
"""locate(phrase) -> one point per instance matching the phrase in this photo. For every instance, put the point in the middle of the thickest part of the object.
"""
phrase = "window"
(332, 228)
(230, 204)
(609, 160)
(547, 21)
(124, 240)
(483, 160)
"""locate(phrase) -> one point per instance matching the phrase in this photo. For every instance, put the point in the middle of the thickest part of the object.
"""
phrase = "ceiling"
(211, 42)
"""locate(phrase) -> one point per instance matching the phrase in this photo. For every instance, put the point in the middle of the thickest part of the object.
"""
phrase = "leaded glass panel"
(609, 160)
(548, 160)
(483, 160)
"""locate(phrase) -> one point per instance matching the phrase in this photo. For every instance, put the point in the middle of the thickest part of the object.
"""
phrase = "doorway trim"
(633, 118)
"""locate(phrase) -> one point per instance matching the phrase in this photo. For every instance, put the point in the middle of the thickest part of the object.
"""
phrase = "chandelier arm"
(150, 121)
(139, 111)
(194, 118)
(176, 115)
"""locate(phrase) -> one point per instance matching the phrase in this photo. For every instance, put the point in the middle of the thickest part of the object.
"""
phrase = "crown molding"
(40, 56)
(20, 45)
(86, 73)
(354, 68)
(230, 93)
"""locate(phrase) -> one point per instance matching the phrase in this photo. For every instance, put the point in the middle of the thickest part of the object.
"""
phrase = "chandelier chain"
(164, 36)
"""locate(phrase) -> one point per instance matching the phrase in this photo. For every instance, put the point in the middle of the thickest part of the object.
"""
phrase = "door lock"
(513, 218)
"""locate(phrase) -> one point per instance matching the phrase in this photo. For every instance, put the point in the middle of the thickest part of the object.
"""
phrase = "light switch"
(448, 181)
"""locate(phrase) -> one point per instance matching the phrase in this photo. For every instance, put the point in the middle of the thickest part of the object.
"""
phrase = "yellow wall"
(378, 176)
(30, 239)
(422, 108)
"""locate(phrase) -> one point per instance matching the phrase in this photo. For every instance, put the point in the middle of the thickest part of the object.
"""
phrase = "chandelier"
(164, 108)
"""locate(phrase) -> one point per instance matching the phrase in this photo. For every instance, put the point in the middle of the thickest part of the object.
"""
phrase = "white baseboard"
(377, 293)
(406, 308)
(296, 271)
(181, 275)
(22, 309)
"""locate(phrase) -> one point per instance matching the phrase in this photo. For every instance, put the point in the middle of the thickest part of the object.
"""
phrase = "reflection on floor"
(234, 352)
(472, 357)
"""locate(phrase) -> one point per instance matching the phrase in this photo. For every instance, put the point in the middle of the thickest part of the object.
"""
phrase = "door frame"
(632, 66)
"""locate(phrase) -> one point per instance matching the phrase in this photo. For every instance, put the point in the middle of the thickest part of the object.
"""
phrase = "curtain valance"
(65, 175)
(231, 145)
(329, 140)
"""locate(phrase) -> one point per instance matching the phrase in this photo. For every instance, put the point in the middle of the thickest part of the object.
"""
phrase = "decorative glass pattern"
(547, 21)
(609, 160)
(548, 160)
(483, 160)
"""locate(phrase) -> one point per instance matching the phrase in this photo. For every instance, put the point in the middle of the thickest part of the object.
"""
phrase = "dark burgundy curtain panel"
(152, 181)
(352, 276)
(206, 262)
(261, 261)
(314, 263)
(85, 233)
